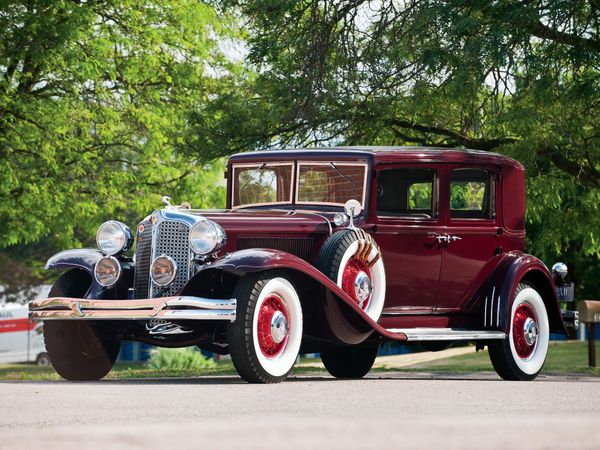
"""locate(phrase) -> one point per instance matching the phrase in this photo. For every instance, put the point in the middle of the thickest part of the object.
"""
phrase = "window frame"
(492, 179)
(257, 165)
(327, 163)
(435, 195)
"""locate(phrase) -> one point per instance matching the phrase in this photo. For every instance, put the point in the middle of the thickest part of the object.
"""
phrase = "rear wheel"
(349, 361)
(265, 338)
(521, 355)
(76, 350)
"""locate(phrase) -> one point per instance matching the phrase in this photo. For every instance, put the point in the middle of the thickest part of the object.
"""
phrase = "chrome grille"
(143, 258)
(172, 239)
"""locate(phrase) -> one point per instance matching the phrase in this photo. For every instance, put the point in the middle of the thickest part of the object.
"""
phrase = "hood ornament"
(167, 202)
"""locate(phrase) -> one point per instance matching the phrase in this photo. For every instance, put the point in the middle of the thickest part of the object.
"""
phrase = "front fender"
(497, 296)
(85, 259)
(346, 320)
(81, 258)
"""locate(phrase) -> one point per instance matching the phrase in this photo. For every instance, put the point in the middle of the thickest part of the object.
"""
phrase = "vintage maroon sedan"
(319, 250)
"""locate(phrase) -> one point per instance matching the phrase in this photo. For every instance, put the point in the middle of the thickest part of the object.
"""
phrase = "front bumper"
(168, 308)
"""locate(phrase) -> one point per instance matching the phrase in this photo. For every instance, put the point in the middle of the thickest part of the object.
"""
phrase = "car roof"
(382, 154)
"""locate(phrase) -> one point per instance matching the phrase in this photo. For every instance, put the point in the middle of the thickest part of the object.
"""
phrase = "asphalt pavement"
(385, 410)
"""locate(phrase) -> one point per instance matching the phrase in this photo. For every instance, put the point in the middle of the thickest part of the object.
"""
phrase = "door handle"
(454, 238)
(441, 238)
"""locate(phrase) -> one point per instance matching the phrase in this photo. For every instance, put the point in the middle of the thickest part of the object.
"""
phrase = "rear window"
(471, 194)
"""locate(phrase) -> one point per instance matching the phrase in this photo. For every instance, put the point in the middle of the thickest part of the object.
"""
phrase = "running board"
(446, 334)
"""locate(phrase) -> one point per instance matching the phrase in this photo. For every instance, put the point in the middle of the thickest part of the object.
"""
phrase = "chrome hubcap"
(530, 330)
(362, 286)
(279, 327)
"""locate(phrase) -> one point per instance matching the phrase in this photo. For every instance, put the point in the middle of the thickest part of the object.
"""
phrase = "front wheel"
(265, 338)
(76, 350)
(353, 361)
(521, 355)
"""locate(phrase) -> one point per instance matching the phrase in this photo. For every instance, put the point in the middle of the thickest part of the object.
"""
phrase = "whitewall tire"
(264, 340)
(521, 355)
(353, 260)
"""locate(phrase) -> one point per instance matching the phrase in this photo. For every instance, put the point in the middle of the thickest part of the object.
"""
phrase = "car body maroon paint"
(436, 252)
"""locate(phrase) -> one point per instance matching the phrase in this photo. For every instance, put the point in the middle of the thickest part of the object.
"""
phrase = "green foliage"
(521, 78)
(188, 358)
(94, 104)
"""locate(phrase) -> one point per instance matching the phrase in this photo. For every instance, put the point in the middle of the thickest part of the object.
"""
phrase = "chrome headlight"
(107, 271)
(207, 237)
(163, 270)
(114, 237)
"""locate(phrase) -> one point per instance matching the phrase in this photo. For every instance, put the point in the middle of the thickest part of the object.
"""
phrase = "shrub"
(179, 358)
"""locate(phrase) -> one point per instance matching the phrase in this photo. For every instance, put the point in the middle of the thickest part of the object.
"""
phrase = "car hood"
(244, 221)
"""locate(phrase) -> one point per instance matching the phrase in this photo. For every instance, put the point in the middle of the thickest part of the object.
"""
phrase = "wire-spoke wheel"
(521, 355)
(265, 338)
(352, 259)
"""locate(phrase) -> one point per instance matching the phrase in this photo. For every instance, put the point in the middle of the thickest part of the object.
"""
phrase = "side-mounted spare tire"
(352, 259)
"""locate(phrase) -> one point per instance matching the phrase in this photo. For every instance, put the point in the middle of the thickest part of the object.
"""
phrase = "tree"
(518, 77)
(94, 103)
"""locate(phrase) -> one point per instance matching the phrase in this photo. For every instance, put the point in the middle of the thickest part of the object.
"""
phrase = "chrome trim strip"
(498, 313)
(485, 313)
(195, 308)
(447, 334)
(492, 306)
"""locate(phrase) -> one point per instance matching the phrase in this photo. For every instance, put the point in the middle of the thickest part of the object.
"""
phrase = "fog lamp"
(163, 270)
(107, 271)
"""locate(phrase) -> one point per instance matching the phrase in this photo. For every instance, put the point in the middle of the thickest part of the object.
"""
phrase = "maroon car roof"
(383, 154)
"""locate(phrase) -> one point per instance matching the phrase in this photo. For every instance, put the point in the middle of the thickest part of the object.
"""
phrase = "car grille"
(301, 246)
(143, 258)
(172, 240)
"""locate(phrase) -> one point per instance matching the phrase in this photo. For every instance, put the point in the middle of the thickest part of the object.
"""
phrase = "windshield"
(319, 183)
(331, 183)
(262, 183)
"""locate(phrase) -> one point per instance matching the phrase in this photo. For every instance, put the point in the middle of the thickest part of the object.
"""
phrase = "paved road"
(394, 410)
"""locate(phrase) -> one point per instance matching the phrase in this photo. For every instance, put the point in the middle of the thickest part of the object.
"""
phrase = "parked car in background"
(330, 250)
(21, 339)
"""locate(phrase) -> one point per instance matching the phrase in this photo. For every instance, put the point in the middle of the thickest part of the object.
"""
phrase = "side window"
(471, 194)
(406, 193)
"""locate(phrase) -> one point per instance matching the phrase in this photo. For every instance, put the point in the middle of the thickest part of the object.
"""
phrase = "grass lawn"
(562, 357)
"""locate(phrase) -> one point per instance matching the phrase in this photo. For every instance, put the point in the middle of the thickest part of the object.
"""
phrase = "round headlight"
(114, 237)
(340, 219)
(207, 237)
(107, 271)
(163, 270)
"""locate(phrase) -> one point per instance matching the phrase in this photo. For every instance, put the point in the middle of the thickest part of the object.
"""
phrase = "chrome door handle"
(441, 238)
(454, 238)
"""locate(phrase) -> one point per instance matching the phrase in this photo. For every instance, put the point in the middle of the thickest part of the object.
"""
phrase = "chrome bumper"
(169, 308)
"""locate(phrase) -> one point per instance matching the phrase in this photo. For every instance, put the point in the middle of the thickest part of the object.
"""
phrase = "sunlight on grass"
(565, 357)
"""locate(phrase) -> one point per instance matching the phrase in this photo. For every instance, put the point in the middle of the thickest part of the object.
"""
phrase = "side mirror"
(353, 209)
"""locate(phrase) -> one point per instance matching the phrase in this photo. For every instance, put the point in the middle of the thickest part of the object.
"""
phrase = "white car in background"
(21, 340)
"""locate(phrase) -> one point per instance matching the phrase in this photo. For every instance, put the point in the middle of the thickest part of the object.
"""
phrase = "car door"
(408, 223)
(473, 231)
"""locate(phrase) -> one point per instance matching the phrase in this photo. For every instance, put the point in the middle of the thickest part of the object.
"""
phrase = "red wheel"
(356, 280)
(525, 330)
(353, 260)
(273, 326)
(521, 355)
(265, 338)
